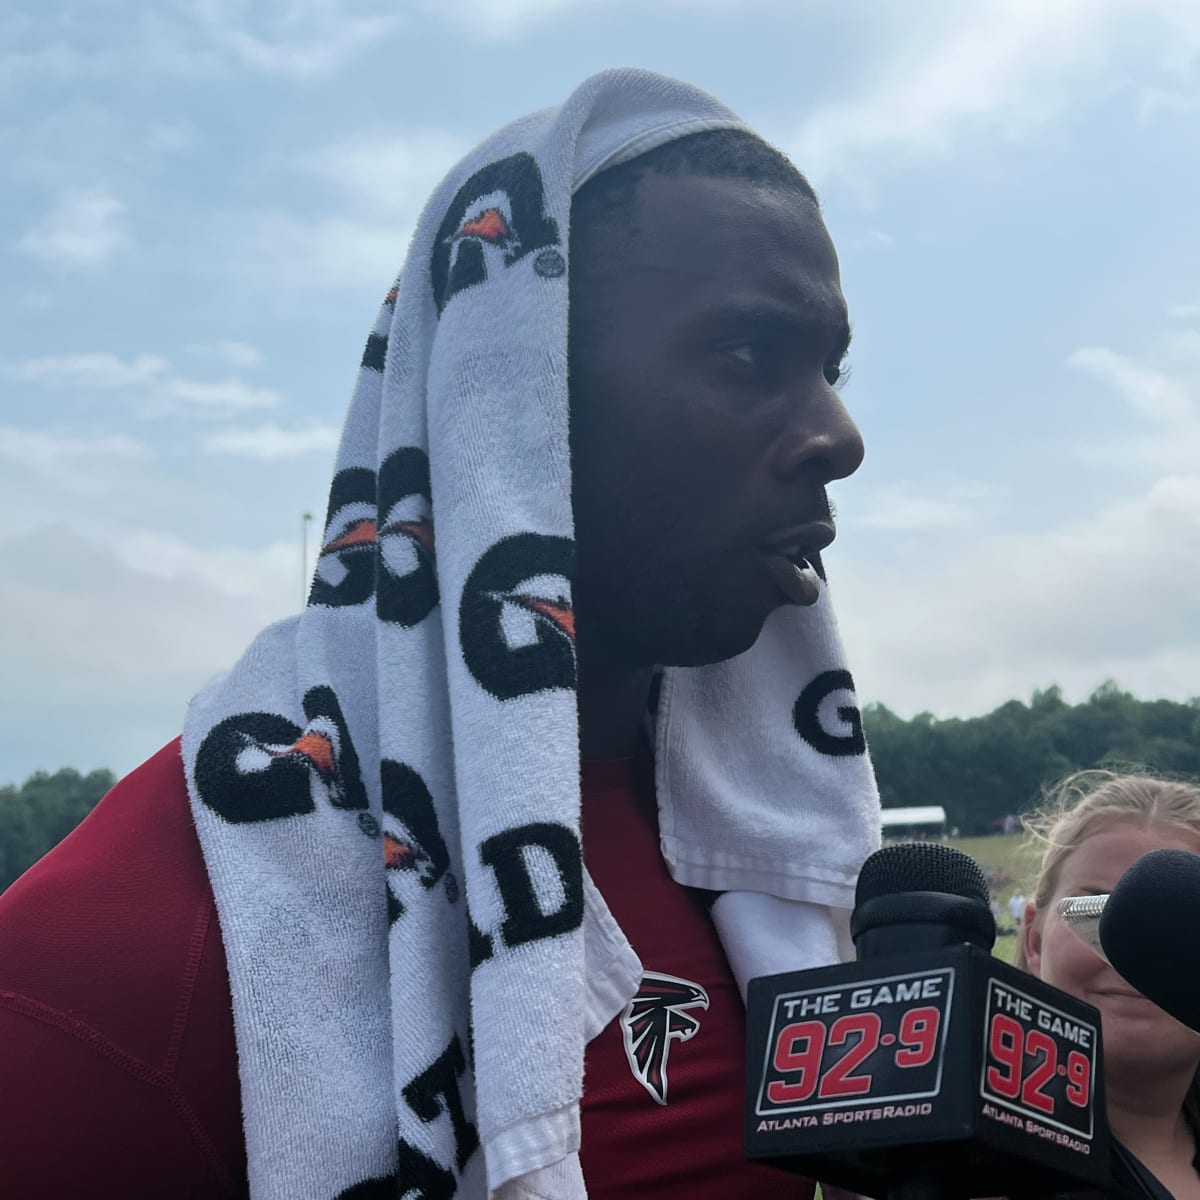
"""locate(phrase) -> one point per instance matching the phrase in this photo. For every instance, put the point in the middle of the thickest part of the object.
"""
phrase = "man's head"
(707, 332)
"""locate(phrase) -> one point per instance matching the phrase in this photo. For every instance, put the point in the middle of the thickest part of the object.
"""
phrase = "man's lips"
(789, 555)
(799, 541)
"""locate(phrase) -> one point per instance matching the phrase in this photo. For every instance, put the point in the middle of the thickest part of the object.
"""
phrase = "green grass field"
(1014, 861)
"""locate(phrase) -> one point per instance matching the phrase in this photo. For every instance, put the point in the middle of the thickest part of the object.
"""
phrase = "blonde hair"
(1091, 802)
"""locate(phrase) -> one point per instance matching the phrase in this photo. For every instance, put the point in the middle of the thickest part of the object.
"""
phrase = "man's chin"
(706, 647)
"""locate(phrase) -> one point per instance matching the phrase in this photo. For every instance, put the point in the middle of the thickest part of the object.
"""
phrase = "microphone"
(1136, 929)
(1082, 915)
(920, 896)
(926, 1068)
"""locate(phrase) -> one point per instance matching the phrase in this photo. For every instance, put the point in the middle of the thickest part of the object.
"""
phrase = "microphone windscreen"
(1145, 926)
(921, 867)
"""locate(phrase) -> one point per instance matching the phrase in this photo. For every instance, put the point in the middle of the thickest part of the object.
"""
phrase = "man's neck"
(612, 703)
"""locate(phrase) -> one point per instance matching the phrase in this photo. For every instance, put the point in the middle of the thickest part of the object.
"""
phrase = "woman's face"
(1139, 1038)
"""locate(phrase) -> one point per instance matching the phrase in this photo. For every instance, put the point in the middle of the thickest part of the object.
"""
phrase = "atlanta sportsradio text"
(844, 1117)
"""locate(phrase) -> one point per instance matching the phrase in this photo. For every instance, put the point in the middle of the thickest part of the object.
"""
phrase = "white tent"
(918, 817)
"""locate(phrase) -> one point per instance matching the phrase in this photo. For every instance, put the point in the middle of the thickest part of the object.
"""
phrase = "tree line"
(982, 769)
(36, 816)
(979, 769)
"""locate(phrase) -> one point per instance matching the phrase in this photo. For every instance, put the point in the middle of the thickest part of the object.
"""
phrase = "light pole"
(305, 521)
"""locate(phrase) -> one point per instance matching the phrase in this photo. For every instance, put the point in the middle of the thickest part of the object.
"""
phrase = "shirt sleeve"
(118, 1062)
(78, 1118)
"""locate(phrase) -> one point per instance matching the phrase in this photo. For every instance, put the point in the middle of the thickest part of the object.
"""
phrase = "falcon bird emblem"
(652, 1020)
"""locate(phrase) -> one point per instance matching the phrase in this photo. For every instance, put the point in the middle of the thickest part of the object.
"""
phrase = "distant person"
(1016, 907)
(562, 750)
(1097, 825)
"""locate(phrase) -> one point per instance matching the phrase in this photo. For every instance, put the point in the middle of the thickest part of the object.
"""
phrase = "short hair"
(607, 198)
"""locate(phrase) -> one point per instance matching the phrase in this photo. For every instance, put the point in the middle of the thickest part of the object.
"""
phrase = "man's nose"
(821, 437)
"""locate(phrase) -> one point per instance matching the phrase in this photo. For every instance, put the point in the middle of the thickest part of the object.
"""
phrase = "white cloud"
(94, 370)
(494, 20)
(903, 507)
(72, 154)
(1171, 448)
(958, 625)
(1112, 595)
(359, 241)
(303, 39)
(277, 254)
(269, 442)
(52, 453)
(220, 395)
(388, 174)
(105, 682)
(1166, 397)
(148, 377)
(261, 573)
(944, 69)
(66, 473)
(199, 39)
(236, 354)
(1150, 392)
(84, 230)
(1183, 347)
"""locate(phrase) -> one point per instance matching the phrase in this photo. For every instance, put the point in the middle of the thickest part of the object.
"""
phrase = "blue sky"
(203, 200)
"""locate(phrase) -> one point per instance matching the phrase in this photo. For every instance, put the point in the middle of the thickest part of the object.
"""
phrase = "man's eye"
(837, 374)
(747, 353)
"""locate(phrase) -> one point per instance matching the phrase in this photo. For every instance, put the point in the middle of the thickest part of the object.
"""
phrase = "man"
(420, 1025)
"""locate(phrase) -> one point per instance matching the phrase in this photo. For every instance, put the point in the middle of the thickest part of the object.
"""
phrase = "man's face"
(704, 421)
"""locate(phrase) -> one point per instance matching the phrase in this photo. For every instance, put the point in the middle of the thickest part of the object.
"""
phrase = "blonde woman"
(1097, 824)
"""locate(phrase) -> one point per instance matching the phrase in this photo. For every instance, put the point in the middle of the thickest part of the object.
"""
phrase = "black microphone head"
(920, 895)
(921, 867)
(1143, 930)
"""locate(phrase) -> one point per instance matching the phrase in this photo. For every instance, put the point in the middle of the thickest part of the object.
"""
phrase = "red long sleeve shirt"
(118, 1072)
(118, 1065)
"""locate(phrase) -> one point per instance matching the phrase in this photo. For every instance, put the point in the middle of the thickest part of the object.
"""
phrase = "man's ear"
(1031, 938)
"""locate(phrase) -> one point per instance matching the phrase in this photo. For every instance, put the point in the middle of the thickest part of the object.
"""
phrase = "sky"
(202, 201)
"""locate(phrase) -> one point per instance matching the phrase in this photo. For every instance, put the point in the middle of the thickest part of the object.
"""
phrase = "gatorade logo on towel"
(496, 218)
(516, 623)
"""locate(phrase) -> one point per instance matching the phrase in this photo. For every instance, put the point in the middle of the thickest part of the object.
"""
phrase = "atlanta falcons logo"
(652, 1020)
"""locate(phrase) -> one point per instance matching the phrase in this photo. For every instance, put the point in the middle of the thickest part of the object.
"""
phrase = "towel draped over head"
(386, 787)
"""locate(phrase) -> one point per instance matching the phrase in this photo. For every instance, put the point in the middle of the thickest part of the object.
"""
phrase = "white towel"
(386, 788)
